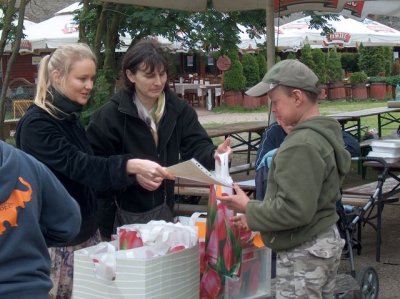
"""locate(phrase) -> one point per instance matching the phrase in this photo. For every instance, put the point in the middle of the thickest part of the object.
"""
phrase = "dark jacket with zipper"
(116, 128)
(62, 145)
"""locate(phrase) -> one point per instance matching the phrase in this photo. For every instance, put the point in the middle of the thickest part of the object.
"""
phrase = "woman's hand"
(148, 184)
(149, 174)
(236, 202)
(224, 148)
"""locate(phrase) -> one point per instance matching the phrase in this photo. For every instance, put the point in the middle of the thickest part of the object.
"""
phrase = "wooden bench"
(361, 201)
(360, 195)
(242, 168)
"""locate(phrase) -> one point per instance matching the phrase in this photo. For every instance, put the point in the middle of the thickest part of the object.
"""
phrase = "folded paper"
(193, 170)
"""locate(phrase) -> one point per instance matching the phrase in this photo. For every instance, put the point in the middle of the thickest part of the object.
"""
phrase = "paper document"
(193, 170)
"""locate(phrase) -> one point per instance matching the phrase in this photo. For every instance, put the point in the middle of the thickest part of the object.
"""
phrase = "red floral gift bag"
(223, 244)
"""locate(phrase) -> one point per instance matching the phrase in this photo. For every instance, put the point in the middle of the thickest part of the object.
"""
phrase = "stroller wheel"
(367, 279)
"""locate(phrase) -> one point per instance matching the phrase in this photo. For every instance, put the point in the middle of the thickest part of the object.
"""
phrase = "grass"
(326, 108)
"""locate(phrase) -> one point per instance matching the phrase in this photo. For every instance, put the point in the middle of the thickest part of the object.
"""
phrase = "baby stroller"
(363, 283)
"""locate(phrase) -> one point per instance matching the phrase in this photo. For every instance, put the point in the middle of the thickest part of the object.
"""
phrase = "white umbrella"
(25, 45)
(284, 40)
(359, 10)
(348, 33)
(62, 29)
(280, 7)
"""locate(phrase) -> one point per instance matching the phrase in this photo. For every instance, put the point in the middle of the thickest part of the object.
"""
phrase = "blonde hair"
(62, 60)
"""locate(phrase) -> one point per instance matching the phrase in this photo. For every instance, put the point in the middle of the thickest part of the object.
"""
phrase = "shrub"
(234, 79)
(334, 67)
(372, 60)
(291, 55)
(395, 68)
(350, 62)
(319, 58)
(358, 77)
(306, 57)
(250, 70)
(262, 63)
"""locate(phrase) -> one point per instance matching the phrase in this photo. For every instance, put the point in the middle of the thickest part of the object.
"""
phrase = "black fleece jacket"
(62, 145)
(116, 128)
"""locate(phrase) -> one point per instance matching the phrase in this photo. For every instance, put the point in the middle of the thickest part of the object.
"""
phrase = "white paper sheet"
(193, 170)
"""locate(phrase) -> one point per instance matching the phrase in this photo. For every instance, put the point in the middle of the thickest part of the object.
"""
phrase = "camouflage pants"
(308, 271)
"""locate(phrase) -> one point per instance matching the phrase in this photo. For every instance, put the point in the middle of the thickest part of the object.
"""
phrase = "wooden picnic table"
(234, 130)
(385, 117)
(386, 194)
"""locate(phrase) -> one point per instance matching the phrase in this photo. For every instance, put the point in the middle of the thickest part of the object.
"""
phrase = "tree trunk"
(111, 43)
(101, 30)
(14, 54)
(82, 22)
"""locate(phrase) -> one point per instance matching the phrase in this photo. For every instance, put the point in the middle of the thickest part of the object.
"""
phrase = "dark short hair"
(288, 91)
(151, 54)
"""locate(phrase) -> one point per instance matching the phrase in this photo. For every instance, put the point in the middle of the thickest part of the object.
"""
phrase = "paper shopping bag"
(174, 275)
(197, 220)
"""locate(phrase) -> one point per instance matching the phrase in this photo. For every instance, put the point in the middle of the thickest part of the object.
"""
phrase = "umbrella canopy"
(284, 40)
(25, 45)
(280, 7)
(349, 33)
(62, 29)
(359, 10)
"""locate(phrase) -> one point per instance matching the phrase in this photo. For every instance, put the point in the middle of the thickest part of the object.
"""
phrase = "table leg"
(248, 151)
(379, 125)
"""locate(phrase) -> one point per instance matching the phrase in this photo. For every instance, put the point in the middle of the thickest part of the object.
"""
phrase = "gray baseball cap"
(290, 73)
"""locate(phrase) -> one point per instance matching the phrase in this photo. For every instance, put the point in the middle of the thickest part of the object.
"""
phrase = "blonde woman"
(52, 132)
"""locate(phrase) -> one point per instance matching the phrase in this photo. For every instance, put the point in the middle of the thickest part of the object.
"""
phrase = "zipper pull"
(273, 238)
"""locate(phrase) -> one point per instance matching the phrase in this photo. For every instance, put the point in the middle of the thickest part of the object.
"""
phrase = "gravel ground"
(209, 117)
(388, 268)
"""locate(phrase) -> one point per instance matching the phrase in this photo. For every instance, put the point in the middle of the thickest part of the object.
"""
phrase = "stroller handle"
(375, 159)
(381, 180)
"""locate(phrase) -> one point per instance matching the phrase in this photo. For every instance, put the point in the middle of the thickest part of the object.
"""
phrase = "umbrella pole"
(270, 48)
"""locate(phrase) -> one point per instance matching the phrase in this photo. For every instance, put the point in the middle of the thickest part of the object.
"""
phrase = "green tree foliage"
(306, 57)
(395, 68)
(372, 60)
(319, 58)
(358, 77)
(334, 69)
(291, 55)
(262, 63)
(388, 51)
(250, 69)
(234, 80)
(350, 62)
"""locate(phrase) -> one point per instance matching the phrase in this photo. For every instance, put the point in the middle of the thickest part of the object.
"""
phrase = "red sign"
(70, 27)
(355, 7)
(223, 63)
(26, 45)
(338, 36)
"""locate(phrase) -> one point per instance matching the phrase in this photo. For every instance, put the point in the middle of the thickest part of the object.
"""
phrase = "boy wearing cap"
(297, 218)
